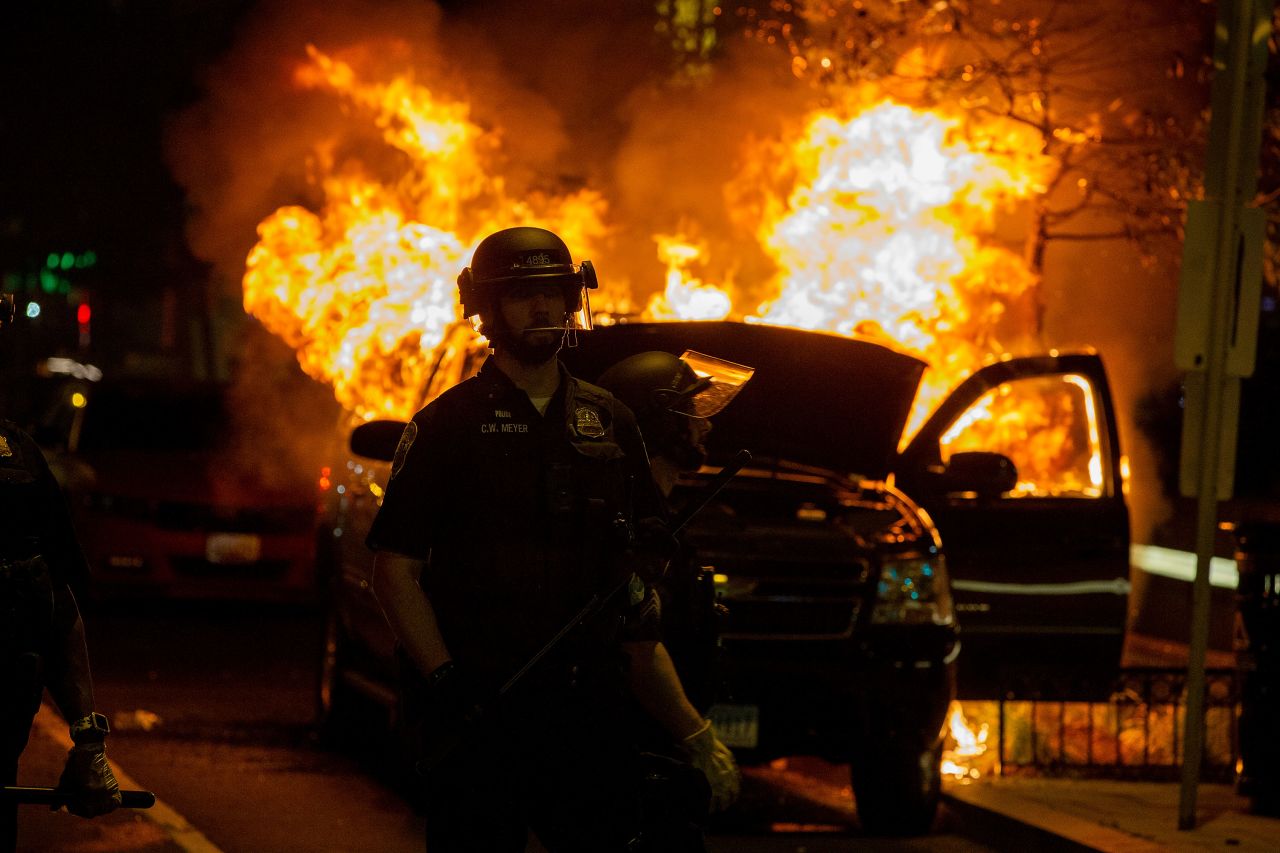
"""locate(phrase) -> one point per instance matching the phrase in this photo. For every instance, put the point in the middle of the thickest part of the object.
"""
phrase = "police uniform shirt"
(33, 514)
(517, 513)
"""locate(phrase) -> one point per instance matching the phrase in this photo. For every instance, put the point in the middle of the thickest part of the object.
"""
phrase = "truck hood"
(816, 398)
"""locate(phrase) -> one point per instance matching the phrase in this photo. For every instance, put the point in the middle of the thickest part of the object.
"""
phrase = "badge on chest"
(587, 423)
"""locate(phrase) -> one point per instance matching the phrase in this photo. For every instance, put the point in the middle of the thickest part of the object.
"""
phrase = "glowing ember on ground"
(964, 745)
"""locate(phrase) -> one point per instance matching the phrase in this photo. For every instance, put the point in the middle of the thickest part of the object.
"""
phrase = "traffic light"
(83, 315)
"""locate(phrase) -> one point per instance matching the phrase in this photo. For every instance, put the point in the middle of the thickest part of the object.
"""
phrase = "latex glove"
(713, 758)
(88, 776)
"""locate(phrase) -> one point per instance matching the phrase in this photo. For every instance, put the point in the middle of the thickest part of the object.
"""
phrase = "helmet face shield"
(717, 383)
(577, 315)
(580, 320)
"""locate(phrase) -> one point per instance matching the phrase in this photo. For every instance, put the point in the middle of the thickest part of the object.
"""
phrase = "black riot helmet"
(666, 393)
(516, 257)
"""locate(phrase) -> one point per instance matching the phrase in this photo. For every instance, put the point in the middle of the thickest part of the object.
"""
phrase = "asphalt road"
(211, 707)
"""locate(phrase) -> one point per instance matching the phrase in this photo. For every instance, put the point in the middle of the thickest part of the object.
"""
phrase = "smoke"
(580, 99)
(245, 149)
(249, 147)
(576, 102)
(683, 150)
(1101, 296)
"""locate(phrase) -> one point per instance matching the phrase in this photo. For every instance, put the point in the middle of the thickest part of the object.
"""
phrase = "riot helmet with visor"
(669, 394)
(515, 258)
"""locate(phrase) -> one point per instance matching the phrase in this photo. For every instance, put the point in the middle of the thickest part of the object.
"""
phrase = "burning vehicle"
(849, 608)
(901, 530)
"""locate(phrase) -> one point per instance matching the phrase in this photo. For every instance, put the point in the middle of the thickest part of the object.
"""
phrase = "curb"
(1004, 815)
(987, 825)
(176, 827)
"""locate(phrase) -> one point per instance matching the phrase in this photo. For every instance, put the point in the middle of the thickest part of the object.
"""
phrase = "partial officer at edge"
(42, 639)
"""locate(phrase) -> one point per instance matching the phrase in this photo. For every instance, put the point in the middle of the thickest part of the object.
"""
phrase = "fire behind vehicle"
(846, 616)
(162, 502)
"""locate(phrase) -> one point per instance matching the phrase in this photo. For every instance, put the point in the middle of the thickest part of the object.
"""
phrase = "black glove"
(452, 696)
(453, 708)
(88, 776)
(655, 547)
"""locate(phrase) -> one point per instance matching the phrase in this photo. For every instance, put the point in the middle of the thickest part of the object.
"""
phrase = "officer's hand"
(653, 534)
(88, 777)
(713, 758)
(453, 695)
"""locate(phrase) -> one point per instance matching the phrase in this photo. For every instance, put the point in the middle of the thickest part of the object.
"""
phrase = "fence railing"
(1136, 734)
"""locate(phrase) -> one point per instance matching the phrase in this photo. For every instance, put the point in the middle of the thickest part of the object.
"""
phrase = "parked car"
(853, 573)
(165, 502)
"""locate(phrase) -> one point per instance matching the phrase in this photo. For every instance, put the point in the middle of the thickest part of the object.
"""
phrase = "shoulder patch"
(402, 449)
(5, 449)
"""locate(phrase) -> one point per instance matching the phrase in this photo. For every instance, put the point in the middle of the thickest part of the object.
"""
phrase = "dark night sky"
(88, 89)
(83, 110)
(91, 90)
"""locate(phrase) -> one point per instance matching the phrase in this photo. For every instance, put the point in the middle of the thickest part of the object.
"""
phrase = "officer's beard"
(683, 449)
(690, 456)
(532, 347)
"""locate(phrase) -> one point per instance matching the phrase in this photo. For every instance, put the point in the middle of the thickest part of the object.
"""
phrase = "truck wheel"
(897, 790)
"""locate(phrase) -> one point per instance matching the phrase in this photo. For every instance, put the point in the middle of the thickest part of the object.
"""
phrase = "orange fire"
(364, 289)
(878, 218)
(964, 746)
(876, 215)
(684, 296)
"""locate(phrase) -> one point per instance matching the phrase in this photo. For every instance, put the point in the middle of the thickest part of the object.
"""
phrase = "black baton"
(713, 488)
(25, 796)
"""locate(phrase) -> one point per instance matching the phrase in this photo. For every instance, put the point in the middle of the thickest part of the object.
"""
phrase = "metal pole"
(1225, 184)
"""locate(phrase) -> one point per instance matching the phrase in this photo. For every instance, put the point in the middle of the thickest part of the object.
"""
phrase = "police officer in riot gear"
(42, 643)
(673, 400)
(673, 403)
(510, 504)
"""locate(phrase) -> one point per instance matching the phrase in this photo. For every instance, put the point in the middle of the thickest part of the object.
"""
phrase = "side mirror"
(987, 474)
(377, 439)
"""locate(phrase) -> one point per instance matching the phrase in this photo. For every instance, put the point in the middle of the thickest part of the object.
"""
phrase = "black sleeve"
(406, 522)
(60, 547)
(646, 501)
(642, 615)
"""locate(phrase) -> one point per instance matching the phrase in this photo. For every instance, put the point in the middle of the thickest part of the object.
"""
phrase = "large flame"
(877, 217)
(364, 290)
(964, 745)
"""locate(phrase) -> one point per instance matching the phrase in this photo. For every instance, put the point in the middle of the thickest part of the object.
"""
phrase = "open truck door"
(1020, 469)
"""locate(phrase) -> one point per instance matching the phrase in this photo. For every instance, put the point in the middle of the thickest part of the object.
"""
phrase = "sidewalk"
(1111, 816)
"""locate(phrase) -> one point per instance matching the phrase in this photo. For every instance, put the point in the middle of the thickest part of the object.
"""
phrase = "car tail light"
(914, 589)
